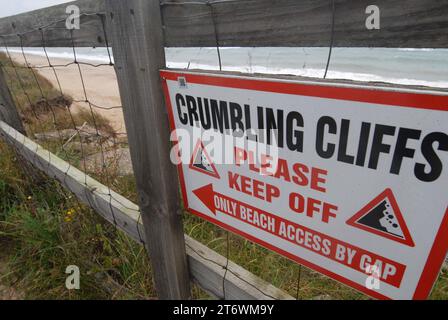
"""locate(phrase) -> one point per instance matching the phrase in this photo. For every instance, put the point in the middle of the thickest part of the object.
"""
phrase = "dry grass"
(42, 107)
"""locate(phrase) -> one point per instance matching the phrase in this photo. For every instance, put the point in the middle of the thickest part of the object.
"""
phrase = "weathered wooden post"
(10, 115)
(8, 109)
(135, 28)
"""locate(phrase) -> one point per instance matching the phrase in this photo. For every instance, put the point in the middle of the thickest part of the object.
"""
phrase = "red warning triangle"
(383, 217)
(201, 161)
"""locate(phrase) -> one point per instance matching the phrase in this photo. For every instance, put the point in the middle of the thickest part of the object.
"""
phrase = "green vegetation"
(43, 228)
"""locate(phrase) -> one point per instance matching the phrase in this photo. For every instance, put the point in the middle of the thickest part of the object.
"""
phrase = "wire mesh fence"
(74, 123)
(68, 124)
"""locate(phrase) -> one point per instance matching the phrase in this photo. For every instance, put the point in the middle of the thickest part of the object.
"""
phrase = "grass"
(48, 230)
(43, 228)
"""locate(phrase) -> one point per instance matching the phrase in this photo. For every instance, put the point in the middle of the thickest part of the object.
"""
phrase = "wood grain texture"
(52, 22)
(8, 109)
(409, 23)
(207, 269)
(139, 54)
(258, 23)
(206, 266)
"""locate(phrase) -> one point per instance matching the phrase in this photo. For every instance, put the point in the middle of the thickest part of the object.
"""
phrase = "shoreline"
(380, 65)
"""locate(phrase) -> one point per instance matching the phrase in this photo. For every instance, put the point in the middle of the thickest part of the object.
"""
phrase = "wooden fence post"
(8, 110)
(135, 28)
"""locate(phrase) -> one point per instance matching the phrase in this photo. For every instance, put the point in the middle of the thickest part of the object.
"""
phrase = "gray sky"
(11, 7)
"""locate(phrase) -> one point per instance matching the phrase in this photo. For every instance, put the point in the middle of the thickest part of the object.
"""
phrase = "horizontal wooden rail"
(207, 267)
(306, 23)
(252, 23)
(52, 21)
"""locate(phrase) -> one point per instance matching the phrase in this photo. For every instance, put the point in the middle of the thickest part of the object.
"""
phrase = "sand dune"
(101, 86)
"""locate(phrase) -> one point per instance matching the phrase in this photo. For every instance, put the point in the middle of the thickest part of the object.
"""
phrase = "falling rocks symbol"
(383, 217)
(202, 162)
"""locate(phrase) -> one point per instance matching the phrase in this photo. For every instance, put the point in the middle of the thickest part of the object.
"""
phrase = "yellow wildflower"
(69, 215)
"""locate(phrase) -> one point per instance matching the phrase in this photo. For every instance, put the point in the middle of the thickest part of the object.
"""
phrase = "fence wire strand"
(49, 107)
(228, 246)
(92, 106)
(299, 277)
(330, 51)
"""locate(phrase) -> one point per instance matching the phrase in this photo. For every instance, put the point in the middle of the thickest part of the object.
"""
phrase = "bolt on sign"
(356, 190)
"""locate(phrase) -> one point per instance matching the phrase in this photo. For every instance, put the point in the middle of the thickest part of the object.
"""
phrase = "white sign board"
(356, 190)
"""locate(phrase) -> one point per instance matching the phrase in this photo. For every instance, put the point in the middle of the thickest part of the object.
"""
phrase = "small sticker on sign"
(182, 82)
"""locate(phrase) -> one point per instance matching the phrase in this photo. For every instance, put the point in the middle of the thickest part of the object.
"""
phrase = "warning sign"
(201, 161)
(348, 180)
(382, 216)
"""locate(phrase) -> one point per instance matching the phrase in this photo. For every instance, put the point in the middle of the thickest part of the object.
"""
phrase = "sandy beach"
(101, 86)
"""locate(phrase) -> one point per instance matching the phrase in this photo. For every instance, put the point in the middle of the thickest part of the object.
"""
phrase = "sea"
(421, 67)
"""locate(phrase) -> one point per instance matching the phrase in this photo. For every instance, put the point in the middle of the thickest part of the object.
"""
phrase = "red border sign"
(385, 96)
(200, 147)
(353, 221)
